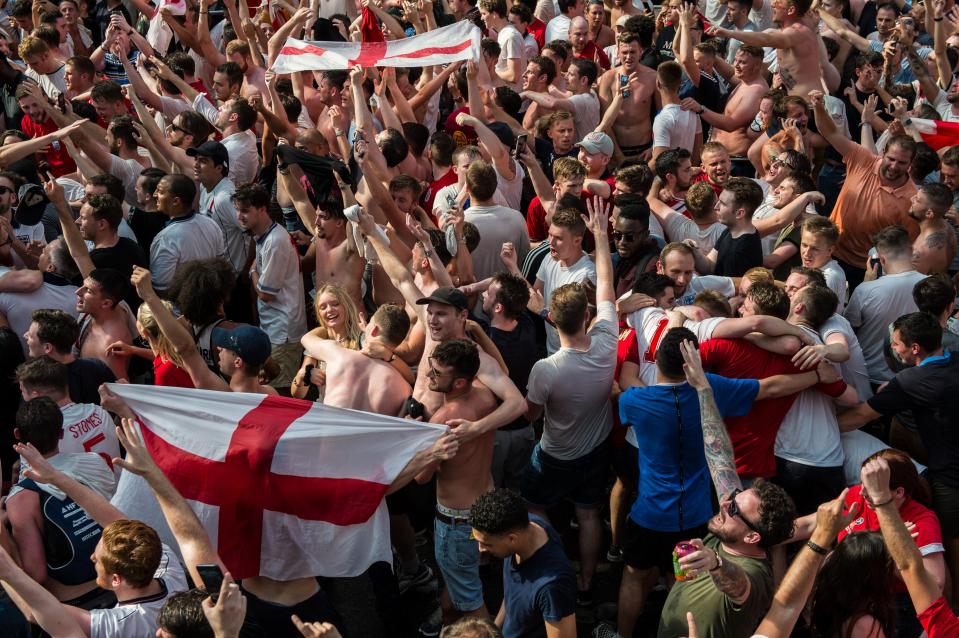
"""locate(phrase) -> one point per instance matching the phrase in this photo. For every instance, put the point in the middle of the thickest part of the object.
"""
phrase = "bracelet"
(338, 133)
(937, 19)
(875, 505)
(702, 110)
(822, 551)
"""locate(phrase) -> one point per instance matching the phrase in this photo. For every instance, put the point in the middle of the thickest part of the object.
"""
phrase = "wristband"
(702, 109)
(822, 551)
(875, 505)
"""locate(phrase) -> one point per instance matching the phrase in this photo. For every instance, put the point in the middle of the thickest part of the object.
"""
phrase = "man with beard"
(797, 45)
(673, 167)
(738, 589)
(715, 165)
(636, 252)
(876, 194)
(935, 247)
(632, 87)
(461, 479)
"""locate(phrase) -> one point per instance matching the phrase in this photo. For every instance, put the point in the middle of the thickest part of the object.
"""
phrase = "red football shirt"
(57, 157)
(429, 195)
(538, 28)
(939, 621)
(627, 349)
(591, 52)
(754, 435)
(702, 177)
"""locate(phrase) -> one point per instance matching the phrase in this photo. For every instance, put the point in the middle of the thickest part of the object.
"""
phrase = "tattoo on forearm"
(718, 447)
(731, 580)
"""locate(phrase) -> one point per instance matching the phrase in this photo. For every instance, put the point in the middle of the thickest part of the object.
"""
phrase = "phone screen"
(212, 577)
(521, 144)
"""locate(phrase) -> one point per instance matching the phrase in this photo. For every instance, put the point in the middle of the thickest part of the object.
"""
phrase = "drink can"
(681, 549)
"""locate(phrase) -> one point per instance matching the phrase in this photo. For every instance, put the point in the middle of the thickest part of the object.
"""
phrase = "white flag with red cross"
(286, 488)
(460, 41)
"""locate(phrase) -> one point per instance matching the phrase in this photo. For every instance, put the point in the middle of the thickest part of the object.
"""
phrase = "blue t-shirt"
(674, 479)
(541, 588)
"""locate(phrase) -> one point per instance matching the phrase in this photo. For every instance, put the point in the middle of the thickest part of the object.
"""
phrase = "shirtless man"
(442, 316)
(337, 260)
(330, 93)
(242, 350)
(103, 320)
(539, 75)
(254, 77)
(935, 247)
(632, 126)
(451, 372)
(797, 46)
(362, 379)
(741, 107)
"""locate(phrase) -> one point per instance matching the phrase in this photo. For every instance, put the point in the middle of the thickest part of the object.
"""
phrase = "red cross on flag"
(286, 488)
(460, 41)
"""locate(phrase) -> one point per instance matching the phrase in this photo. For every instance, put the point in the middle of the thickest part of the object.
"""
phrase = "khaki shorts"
(288, 357)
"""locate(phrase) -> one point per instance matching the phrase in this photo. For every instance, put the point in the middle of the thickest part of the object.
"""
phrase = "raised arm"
(827, 127)
(43, 608)
(293, 25)
(788, 213)
(598, 222)
(71, 233)
(775, 38)
(922, 587)
(177, 334)
(840, 29)
(194, 542)
(206, 49)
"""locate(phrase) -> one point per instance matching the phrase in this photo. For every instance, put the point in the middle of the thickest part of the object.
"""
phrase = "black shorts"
(267, 619)
(626, 465)
(945, 503)
(645, 548)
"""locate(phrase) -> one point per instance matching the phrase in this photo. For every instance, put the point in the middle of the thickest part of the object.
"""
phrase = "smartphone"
(212, 577)
(520, 144)
(623, 82)
(414, 408)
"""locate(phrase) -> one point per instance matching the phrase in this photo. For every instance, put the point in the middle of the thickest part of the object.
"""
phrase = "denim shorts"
(458, 557)
(548, 480)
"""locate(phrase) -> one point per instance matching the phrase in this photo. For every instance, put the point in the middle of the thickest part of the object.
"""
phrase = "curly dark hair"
(200, 288)
(856, 581)
(776, 513)
(182, 615)
(499, 511)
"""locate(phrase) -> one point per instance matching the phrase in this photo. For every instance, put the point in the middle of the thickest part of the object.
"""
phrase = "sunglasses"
(617, 235)
(734, 510)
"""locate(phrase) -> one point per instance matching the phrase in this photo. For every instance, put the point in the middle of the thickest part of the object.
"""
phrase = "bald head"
(312, 141)
(578, 33)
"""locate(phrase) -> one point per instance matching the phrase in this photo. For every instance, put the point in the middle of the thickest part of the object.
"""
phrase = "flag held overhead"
(460, 41)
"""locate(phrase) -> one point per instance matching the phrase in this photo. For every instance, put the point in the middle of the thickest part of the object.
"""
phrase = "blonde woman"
(167, 365)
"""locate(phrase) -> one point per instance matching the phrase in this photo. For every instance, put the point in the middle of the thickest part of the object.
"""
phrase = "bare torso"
(432, 401)
(747, 95)
(97, 337)
(799, 65)
(634, 125)
(461, 479)
(359, 382)
(343, 267)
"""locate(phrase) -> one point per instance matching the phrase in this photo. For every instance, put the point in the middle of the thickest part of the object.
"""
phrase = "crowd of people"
(683, 273)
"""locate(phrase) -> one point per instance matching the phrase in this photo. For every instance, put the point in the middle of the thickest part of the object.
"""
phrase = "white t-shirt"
(836, 280)
(55, 293)
(27, 234)
(448, 194)
(183, 239)
(853, 369)
(585, 113)
(679, 227)
(127, 171)
(496, 225)
(859, 446)
(573, 387)
(696, 285)
(553, 275)
(218, 206)
(674, 127)
(278, 266)
(244, 160)
(511, 48)
(53, 84)
(873, 306)
(137, 618)
(944, 107)
(809, 433)
(89, 428)
(512, 190)
(558, 28)
(532, 46)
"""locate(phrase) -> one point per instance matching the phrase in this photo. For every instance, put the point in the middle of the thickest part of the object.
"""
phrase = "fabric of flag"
(936, 133)
(460, 41)
(286, 488)
(370, 30)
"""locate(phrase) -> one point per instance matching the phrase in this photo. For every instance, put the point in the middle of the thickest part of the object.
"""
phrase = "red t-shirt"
(627, 349)
(939, 621)
(754, 435)
(928, 530)
(57, 157)
(538, 28)
(166, 373)
(429, 195)
(591, 52)
(536, 217)
(462, 135)
(702, 177)
(198, 85)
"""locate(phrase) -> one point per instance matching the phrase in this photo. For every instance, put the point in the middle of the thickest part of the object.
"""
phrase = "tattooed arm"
(719, 449)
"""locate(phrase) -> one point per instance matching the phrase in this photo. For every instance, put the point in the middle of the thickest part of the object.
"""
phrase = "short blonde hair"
(31, 46)
(238, 46)
(566, 167)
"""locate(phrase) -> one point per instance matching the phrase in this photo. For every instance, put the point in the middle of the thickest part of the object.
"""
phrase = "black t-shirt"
(122, 256)
(931, 391)
(546, 155)
(146, 225)
(737, 255)
(86, 375)
(519, 350)
(268, 619)
(791, 234)
(664, 43)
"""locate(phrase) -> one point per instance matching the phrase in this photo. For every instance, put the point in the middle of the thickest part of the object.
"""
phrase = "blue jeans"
(458, 557)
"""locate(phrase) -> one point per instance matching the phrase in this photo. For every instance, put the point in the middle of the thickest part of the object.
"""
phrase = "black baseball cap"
(448, 296)
(249, 343)
(214, 150)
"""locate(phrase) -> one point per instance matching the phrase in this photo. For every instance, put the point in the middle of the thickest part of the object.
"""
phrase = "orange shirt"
(865, 206)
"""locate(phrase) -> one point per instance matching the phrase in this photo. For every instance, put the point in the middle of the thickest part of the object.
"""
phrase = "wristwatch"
(719, 562)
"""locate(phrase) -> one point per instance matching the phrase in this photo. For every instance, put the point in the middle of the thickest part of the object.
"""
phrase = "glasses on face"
(620, 236)
(432, 372)
(734, 510)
